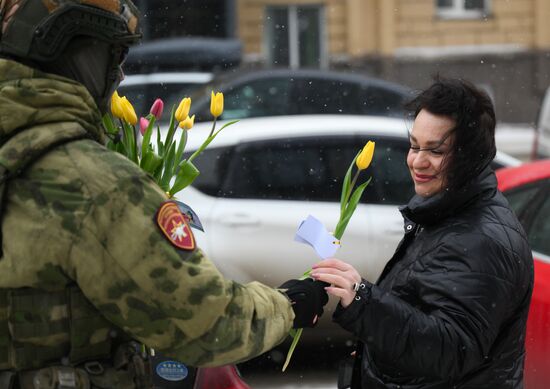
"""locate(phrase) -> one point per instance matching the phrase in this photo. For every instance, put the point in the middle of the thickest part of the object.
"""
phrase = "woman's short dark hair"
(473, 146)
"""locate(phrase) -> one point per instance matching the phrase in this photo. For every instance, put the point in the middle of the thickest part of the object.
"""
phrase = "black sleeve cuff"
(348, 316)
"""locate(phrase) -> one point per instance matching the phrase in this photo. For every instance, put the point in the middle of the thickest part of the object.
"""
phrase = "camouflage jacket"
(81, 218)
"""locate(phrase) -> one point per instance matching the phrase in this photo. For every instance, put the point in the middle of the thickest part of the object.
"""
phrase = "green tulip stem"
(208, 140)
(213, 126)
(349, 199)
(171, 130)
(295, 340)
(353, 182)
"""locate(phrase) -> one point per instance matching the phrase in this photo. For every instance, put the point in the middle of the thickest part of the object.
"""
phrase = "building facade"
(502, 45)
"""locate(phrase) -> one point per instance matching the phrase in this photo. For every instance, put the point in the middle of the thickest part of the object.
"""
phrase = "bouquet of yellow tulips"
(348, 203)
(164, 160)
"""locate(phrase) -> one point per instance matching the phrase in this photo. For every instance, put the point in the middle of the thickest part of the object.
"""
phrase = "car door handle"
(239, 220)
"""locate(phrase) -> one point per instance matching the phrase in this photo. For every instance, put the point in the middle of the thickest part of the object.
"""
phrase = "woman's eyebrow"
(432, 143)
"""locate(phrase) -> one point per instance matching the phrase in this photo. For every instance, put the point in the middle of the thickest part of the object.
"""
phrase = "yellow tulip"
(216, 104)
(183, 109)
(128, 111)
(187, 124)
(365, 158)
(116, 107)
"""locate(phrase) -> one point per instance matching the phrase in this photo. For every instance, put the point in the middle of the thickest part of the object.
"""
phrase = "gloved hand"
(308, 298)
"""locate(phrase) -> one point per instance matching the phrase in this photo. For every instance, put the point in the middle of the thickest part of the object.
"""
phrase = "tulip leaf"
(295, 339)
(121, 148)
(169, 167)
(185, 177)
(109, 125)
(181, 146)
(147, 136)
(171, 129)
(130, 141)
(151, 162)
(160, 145)
(226, 125)
(347, 184)
(350, 208)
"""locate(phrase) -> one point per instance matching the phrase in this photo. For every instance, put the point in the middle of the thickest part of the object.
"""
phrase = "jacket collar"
(436, 208)
(29, 97)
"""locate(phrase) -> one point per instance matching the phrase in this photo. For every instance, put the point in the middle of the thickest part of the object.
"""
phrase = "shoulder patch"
(173, 225)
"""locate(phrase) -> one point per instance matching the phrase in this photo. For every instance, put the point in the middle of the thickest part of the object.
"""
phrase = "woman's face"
(430, 145)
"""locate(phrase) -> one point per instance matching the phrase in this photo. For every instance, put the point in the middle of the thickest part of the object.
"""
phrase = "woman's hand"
(342, 277)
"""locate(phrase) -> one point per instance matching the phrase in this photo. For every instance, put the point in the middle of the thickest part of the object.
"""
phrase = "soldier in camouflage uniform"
(86, 271)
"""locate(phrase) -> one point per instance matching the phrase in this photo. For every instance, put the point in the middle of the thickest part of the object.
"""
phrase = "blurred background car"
(527, 188)
(263, 176)
(541, 144)
(256, 93)
(277, 92)
(178, 54)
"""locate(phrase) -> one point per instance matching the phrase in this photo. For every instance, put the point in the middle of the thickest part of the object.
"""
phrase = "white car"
(261, 177)
(143, 89)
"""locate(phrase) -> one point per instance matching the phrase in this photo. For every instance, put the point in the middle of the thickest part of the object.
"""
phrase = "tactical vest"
(31, 320)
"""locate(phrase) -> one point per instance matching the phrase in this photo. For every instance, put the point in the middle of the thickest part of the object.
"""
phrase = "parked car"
(261, 177)
(269, 93)
(541, 144)
(527, 189)
(290, 92)
(180, 54)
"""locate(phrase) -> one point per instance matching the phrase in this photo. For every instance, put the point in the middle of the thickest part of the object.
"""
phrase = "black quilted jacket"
(450, 308)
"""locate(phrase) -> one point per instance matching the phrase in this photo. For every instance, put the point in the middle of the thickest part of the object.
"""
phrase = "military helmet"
(39, 30)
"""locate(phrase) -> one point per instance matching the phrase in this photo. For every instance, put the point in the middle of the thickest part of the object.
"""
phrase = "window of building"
(462, 9)
(294, 36)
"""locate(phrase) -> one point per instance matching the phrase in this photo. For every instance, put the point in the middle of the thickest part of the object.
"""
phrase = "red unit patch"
(174, 226)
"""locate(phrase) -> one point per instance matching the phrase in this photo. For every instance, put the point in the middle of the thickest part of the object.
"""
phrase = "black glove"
(308, 298)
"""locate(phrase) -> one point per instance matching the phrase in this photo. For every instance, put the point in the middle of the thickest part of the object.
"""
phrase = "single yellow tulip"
(216, 104)
(365, 158)
(116, 106)
(188, 123)
(128, 111)
(183, 109)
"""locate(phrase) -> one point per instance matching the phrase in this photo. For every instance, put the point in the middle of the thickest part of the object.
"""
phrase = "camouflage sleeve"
(173, 300)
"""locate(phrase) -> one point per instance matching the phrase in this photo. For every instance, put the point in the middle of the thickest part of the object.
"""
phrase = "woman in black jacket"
(450, 308)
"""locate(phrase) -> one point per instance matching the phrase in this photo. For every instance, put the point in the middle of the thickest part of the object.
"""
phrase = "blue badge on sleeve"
(172, 370)
(190, 215)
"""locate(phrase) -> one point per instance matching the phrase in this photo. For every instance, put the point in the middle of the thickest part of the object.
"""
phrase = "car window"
(326, 96)
(540, 229)
(265, 97)
(312, 169)
(520, 198)
(382, 102)
(212, 163)
(289, 169)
